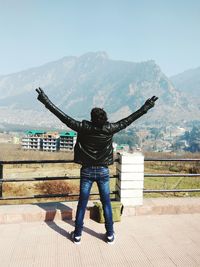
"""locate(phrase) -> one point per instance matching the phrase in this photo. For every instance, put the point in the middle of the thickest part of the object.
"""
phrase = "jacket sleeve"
(122, 124)
(70, 122)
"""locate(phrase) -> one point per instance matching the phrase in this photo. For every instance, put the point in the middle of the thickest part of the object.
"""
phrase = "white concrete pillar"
(130, 183)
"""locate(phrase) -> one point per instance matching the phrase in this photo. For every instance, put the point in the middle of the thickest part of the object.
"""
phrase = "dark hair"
(98, 116)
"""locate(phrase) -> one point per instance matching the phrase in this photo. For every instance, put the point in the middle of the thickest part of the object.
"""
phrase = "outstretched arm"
(122, 124)
(70, 122)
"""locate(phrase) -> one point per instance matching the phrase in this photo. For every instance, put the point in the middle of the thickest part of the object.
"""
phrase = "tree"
(130, 138)
(193, 139)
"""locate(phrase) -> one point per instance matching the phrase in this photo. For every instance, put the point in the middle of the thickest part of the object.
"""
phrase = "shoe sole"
(111, 243)
(75, 242)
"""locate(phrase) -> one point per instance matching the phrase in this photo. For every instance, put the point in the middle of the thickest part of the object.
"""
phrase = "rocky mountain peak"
(76, 84)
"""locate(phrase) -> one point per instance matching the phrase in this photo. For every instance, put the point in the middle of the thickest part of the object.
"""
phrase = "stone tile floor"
(149, 240)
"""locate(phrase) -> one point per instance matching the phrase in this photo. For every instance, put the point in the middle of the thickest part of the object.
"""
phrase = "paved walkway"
(149, 240)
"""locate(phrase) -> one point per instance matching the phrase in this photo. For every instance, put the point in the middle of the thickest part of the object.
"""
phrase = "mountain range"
(76, 84)
(189, 83)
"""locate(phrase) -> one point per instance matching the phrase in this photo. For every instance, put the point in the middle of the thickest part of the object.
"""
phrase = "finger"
(41, 91)
(154, 98)
(37, 90)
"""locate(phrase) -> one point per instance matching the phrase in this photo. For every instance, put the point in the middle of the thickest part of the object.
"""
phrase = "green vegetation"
(193, 139)
(172, 182)
(127, 137)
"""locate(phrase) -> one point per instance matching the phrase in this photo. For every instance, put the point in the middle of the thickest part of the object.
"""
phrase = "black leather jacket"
(94, 145)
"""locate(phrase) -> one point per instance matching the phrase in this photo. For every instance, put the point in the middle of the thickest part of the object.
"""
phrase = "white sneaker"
(110, 239)
(76, 239)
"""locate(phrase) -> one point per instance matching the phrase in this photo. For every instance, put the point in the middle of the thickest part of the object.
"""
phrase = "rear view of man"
(94, 151)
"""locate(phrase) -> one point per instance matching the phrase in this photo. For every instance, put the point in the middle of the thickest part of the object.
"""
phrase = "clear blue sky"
(34, 32)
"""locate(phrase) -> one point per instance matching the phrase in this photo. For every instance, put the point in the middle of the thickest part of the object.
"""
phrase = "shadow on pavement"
(65, 212)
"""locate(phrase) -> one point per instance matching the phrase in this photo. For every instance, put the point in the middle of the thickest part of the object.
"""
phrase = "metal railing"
(162, 175)
(37, 179)
(71, 195)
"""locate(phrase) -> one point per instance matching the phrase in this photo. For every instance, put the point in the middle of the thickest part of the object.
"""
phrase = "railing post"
(130, 168)
(1, 177)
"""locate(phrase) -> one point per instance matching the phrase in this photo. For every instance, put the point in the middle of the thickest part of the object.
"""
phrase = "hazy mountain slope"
(188, 82)
(76, 84)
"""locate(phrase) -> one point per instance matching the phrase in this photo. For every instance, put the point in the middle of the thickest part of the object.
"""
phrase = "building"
(33, 140)
(51, 142)
(16, 140)
(48, 141)
(67, 140)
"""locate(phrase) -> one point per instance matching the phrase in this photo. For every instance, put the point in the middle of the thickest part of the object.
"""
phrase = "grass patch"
(173, 182)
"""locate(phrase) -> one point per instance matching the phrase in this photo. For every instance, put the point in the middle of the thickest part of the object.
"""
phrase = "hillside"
(76, 84)
(188, 82)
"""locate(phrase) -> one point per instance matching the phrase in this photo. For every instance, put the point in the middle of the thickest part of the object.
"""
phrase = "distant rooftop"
(40, 132)
(34, 132)
(70, 133)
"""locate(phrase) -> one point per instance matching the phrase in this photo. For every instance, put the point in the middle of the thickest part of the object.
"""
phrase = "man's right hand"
(42, 97)
(149, 103)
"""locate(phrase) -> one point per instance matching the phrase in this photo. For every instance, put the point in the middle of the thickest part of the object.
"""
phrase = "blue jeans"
(100, 175)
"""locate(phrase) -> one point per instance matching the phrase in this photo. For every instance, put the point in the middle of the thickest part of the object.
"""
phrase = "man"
(94, 151)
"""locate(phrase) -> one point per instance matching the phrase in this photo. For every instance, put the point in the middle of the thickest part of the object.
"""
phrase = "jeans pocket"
(85, 175)
(104, 174)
